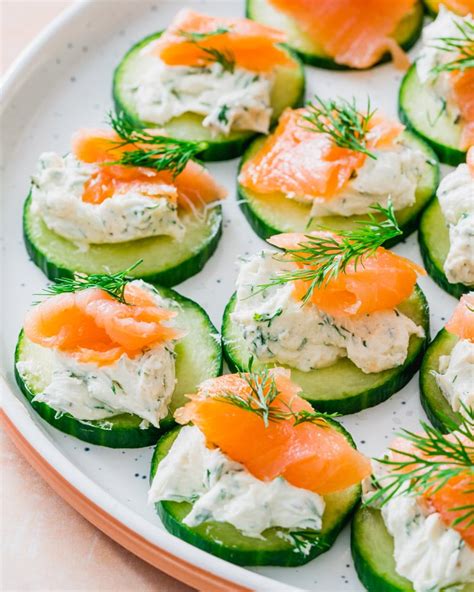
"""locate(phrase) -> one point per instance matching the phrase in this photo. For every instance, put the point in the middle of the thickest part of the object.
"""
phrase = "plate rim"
(164, 551)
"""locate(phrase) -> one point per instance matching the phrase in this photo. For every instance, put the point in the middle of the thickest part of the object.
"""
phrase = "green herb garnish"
(435, 461)
(305, 540)
(225, 58)
(222, 116)
(157, 152)
(195, 36)
(325, 256)
(263, 392)
(463, 46)
(114, 283)
(267, 317)
(340, 120)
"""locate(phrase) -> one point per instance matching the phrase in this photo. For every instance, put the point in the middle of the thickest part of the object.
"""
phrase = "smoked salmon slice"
(299, 161)
(355, 33)
(470, 160)
(253, 46)
(461, 7)
(92, 326)
(308, 455)
(462, 321)
(380, 281)
(193, 187)
(454, 494)
(463, 93)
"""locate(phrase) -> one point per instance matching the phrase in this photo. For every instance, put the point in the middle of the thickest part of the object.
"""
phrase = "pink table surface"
(46, 545)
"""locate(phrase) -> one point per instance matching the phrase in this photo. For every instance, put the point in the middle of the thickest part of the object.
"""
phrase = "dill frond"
(435, 461)
(157, 152)
(323, 257)
(262, 393)
(114, 284)
(462, 46)
(341, 121)
(195, 36)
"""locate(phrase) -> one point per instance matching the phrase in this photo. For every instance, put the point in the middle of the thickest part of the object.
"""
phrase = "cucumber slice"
(372, 552)
(165, 260)
(433, 237)
(274, 213)
(274, 548)
(288, 91)
(435, 404)
(422, 112)
(193, 365)
(342, 387)
(310, 51)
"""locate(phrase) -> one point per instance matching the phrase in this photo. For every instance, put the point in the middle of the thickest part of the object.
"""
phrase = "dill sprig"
(305, 540)
(225, 58)
(195, 36)
(157, 152)
(341, 121)
(114, 283)
(262, 394)
(435, 461)
(462, 46)
(323, 257)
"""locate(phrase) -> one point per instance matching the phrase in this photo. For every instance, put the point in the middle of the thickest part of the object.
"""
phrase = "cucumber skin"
(167, 278)
(265, 230)
(372, 581)
(446, 154)
(328, 63)
(118, 437)
(215, 151)
(436, 416)
(88, 432)
(283, 558)
(356, 403)
(436, 274)
(380, 577)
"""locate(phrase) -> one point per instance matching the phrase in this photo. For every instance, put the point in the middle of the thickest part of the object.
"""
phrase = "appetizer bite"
(119, 196)
(447, 370)
(209, 79)
(258, 478)
(343, 34)
(446, 233)
(415, 529)
(342, 312)
(437, 94)
(327, 164)
(108, 359)
(461, 7)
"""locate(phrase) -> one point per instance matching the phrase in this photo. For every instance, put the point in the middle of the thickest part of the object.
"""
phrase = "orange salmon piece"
(193, 188)
(463, 91)
(356, 33)
(93, 327)
(470, 160)
(252, 45)
(462, 321)
(315, 457)
(461, 7)
(380, 282)
(298, 161)
(457, 492)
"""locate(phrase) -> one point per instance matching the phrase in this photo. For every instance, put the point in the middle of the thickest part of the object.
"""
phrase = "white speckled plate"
(61, 83)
